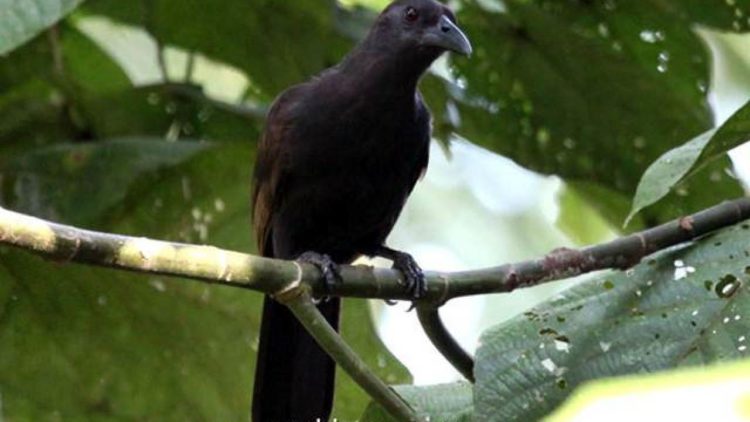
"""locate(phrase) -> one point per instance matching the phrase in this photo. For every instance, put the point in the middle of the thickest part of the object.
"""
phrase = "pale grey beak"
(448, 36)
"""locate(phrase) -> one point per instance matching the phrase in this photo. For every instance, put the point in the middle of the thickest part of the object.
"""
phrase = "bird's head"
(423, 27)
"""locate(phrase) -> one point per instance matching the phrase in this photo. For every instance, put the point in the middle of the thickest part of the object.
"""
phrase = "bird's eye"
(411, 14)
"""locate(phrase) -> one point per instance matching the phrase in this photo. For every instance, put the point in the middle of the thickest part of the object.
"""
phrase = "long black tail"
(294, 377)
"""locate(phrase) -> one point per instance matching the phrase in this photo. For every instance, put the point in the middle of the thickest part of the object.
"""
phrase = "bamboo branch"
(214, 265)
(271, 276)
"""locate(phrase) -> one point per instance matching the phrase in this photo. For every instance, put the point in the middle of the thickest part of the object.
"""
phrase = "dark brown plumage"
(339, 156)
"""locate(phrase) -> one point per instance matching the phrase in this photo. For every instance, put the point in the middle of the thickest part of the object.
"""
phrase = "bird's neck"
(380, 71)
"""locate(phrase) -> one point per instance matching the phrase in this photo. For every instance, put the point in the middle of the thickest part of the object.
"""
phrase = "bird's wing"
(268, 173)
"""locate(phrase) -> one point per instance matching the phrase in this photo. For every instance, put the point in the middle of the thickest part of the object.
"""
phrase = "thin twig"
(300, 302)
(161, 60)
(444, 342)
(151, 25)
(190, 66)
(58, 64)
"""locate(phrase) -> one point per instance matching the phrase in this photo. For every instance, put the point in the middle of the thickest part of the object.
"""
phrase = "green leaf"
(86, 66)
(119, 346)
(569, 110)
(78, 183)
(275, 43)
(678, 164)
(20, 20)
(40, 105)
(83, 65)
(637, 396)
(667, 171)
(684, 306)
(734, 132)
(729, 15)
(586, 90)
(128, 346)
(28, 118)
(443, 402)
(168, 110)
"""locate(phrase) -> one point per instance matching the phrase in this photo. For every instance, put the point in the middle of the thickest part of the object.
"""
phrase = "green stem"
(300, 302)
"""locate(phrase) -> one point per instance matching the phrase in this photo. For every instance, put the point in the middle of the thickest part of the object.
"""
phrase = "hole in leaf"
(727, 286)
(547, 332)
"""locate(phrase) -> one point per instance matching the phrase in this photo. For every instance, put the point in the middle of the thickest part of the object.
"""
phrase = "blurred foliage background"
(141, 118)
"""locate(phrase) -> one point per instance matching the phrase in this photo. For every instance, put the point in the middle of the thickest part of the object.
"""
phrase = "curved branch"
(444, 342)
(214, 265)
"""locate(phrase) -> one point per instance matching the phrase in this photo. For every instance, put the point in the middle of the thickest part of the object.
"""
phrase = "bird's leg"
(402, 261)
(328, 268)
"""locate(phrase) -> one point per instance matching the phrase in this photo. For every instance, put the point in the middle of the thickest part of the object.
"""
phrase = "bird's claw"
(328, 269)
(414, 280)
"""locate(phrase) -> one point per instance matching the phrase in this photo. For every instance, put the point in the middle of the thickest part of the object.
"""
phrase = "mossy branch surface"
(214, 265)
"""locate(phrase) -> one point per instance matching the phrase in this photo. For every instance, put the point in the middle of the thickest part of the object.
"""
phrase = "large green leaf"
(684, 306)
(277, 43)
(168, 110)
(20, 20)
(28, 118)
(639, 397)
(49, 182)
(86, 66)
(587, 106)
(677, 164)
(38, 97)
(83, 65)
(92, 98)
(731, 15)
(120, 345)
(592, 91)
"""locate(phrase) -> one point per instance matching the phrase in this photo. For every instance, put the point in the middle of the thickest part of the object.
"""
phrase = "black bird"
(338, 158)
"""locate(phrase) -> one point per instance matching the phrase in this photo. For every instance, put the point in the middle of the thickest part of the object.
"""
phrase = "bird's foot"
(414, 280)
(328, 268)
